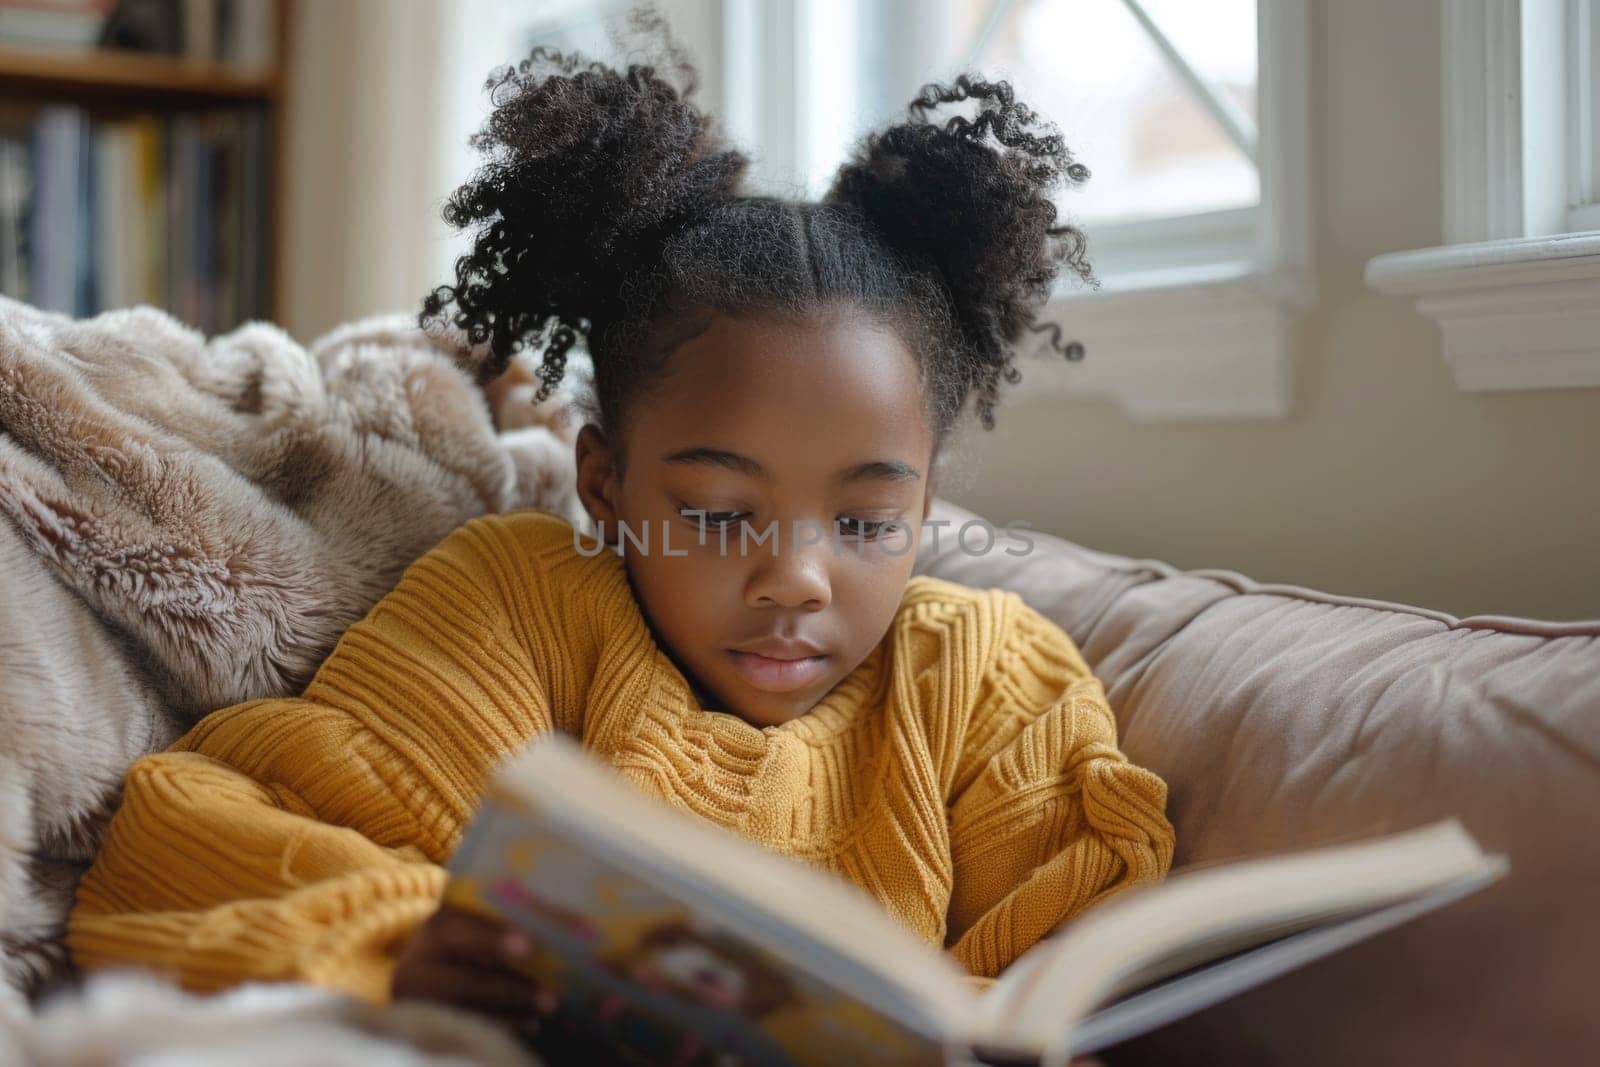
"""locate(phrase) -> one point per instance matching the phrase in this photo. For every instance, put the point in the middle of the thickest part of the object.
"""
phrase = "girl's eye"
(718, 519)
(866, 529)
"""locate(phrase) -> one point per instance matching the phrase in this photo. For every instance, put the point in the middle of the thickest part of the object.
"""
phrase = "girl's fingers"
(514, 1000)
(454, 933)
(474, 963)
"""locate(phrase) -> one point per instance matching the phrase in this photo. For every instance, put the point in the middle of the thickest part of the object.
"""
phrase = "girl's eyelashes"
(850, 526)
(712, 519)
(865, 529)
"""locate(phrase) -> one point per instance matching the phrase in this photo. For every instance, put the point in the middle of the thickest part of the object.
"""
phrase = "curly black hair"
(608, 207)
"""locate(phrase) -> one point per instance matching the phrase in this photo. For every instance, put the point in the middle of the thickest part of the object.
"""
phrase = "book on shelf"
(171, 210)
(673, 941)
(240, 33)
(72, 24)
(16, 194)
(237, 32)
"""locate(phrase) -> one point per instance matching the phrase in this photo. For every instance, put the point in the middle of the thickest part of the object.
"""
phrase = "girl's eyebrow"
(889, 469)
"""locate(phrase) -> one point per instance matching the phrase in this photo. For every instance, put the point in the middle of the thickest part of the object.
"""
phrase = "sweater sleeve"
(1048, 816)
(302, 838)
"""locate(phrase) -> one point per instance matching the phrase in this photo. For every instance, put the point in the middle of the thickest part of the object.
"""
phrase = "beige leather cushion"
(1282, 718)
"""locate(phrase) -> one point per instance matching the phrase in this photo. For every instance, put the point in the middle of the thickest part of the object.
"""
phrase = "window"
(1157, 97)
(1519, 118)
(1583, 118)
(1516, 287)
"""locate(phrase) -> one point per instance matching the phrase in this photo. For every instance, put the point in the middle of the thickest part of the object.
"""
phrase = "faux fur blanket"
(186, 524)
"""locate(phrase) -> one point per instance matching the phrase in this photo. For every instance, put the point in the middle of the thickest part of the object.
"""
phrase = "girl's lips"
(778, 675)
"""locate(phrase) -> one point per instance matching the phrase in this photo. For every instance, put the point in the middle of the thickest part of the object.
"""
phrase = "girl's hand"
(472, 962)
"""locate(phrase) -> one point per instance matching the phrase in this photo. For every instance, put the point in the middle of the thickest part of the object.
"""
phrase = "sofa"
(1283, 718)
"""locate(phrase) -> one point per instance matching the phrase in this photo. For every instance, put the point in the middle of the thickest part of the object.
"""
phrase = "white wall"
(365, 177)
(1387, 482)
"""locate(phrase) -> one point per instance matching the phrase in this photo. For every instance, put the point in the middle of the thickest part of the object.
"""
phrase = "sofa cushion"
(1283, 718)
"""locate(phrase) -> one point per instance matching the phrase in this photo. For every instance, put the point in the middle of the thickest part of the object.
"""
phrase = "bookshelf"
(209, 252)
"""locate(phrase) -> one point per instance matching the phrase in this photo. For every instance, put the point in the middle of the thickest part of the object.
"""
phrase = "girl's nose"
(796, 577)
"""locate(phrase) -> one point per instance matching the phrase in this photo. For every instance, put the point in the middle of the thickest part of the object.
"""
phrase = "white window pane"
(1154, 150)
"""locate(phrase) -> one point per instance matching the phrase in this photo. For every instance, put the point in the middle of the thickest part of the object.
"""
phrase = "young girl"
(773, 383)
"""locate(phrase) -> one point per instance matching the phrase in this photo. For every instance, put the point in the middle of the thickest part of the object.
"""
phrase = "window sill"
(1196, 343)
(1514, 314)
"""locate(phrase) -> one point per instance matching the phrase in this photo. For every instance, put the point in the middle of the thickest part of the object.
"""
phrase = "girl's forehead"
(801, 360)
(822, 385)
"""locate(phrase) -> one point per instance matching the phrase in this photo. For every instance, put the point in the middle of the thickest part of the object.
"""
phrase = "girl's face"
(761, 468)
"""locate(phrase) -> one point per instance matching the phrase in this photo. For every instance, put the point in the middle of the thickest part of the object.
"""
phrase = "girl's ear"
(597, 475)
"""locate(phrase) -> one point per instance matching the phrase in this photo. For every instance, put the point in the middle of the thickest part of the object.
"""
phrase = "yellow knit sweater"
(966, 773)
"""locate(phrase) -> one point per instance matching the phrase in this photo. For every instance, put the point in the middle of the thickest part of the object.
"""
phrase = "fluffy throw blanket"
(188, 523)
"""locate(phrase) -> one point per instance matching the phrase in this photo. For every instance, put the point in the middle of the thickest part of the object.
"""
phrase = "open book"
(679, 942)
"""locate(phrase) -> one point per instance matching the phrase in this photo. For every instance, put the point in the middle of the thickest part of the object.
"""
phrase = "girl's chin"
(773, 716)
(762, 709)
